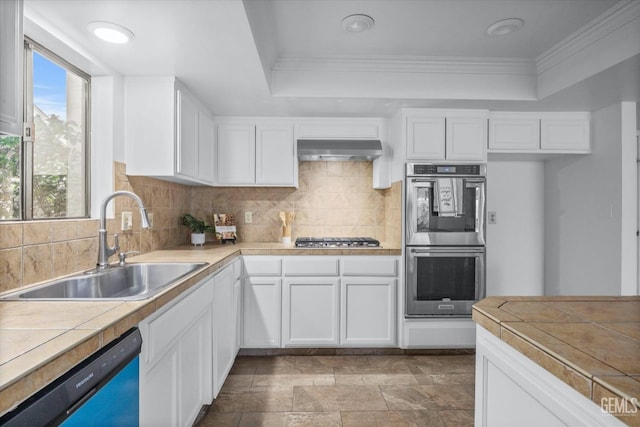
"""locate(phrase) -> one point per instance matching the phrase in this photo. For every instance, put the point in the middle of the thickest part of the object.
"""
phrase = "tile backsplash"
(333, 199)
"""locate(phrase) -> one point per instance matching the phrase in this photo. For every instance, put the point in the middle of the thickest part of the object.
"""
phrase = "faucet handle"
(116, 243)
(123, 255)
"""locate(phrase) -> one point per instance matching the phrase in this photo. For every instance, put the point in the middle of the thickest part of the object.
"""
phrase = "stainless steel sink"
(134, 281)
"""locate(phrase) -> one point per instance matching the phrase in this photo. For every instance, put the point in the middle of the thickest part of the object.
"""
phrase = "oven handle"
(457, 250)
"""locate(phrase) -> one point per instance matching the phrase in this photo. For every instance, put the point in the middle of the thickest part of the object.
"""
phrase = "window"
(46, 174)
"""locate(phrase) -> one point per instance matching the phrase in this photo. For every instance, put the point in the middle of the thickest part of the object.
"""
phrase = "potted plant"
(198, 228)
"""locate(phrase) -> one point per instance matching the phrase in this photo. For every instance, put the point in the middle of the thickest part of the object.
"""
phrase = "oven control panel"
(435, 169)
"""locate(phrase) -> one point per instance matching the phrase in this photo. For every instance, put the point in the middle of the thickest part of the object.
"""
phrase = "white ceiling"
(226, 51)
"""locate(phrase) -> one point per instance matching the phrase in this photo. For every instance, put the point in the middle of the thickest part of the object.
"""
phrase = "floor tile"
(347, 390)
(250, 400)
(289, 381)
(429, 397)
(291, 419)
(457, 417)
(445, 379)
(375, 379)
(458, 364)
(338, 398)
(221, 419)
(391, 418)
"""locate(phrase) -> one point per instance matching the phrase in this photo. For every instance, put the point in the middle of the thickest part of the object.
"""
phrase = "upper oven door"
(427, 226)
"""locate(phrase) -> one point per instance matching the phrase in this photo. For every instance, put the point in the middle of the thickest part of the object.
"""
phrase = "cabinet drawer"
(170, 325)
(311, 266)
(263, 265)
(369, 266)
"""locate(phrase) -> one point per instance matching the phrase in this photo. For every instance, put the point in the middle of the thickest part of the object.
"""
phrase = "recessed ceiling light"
(357, 23)
(110, 32)
(506, 26)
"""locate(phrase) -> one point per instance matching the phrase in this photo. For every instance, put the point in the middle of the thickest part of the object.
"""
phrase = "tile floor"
(347, 390)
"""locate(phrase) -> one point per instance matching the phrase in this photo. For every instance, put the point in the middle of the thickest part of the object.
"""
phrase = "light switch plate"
(127, 221)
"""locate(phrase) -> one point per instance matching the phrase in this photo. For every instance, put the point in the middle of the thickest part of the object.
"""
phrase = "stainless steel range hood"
(339, 149)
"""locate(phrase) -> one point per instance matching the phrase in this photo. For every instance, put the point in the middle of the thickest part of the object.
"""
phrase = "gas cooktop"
(336, 242)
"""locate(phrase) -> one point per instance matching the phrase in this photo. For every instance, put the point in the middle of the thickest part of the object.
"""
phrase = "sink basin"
(134, 281)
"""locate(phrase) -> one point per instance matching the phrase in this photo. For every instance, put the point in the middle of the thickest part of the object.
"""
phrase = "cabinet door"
(11, 52)
(223, 327)
(159, 392)
(275, 155)
(466, 138)
(368, 312)
(195, 369)
(206, 147)
(311, 311)
(513, 133)
(262, 312)
(237, 307)
(236, 154)
(426, 137)
(187, 144)
(565, 134)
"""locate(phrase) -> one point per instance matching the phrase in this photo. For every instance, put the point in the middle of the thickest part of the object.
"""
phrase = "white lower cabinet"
(310, 311)
(512, 389)
(175, 361)
(262, 311)
(224, 327)
(237, 302)
(368, 312)
(320, 301)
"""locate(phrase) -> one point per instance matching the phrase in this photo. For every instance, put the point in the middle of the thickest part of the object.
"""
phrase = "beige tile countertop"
(41, 340)
(591, 343)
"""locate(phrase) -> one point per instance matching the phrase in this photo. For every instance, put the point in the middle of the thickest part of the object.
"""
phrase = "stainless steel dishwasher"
(101, 391)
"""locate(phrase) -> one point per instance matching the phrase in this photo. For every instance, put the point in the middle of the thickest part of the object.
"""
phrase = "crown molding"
(412, 64)
(609, 22)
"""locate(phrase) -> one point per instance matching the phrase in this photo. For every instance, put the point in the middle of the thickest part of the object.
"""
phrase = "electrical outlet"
(492, 217)
(248, 217)
(127, 221)
(150, 216)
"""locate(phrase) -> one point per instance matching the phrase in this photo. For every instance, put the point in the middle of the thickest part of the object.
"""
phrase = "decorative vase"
(197, 239)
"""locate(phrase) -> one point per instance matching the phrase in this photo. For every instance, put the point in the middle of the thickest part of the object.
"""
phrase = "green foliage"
(10, 177)
(58, 158)
(196, 224)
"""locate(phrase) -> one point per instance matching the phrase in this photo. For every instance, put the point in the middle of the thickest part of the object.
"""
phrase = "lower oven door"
(444, 281)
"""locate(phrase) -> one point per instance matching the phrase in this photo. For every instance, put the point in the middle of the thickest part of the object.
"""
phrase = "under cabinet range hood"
(339, 149)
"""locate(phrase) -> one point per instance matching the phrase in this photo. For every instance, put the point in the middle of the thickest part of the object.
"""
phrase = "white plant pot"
(197, 239)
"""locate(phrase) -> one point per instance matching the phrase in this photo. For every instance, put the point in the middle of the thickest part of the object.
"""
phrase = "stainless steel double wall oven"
(445, 238)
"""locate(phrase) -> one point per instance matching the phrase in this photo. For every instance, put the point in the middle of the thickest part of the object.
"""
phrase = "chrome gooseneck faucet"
(104, 251)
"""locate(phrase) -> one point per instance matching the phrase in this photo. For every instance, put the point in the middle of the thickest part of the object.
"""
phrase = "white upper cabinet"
(165, 121)
(206, 147)
(513, 132)
(467, 137)
(438, 135)
(188, 135)
(275, 155)
(256, 154)
(11, 67)
(566, 132)
(236, 154)
(426, 137)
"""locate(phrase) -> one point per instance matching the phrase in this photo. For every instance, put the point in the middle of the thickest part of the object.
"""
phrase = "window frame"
(26, 152)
